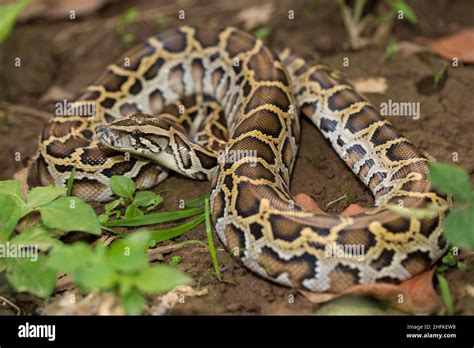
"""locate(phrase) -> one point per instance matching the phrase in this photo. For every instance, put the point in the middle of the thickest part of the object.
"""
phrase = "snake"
(217, 104)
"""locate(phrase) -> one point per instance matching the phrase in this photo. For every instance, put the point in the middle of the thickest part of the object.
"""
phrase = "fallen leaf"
(56, 93)
(356, 305)
(59, 9)
(416, 295)
(375, 85)
(459, 45)
(255, 16)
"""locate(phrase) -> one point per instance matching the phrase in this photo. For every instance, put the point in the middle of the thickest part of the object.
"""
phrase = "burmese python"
(215, 90)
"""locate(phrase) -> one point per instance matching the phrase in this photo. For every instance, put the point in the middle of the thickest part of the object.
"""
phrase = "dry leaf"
(55, 93)
(376, 85)
(59, 9)
(416, 295)
(255, 16)
(459, 45)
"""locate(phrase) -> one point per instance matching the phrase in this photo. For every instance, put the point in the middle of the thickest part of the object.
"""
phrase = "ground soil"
(70, 55)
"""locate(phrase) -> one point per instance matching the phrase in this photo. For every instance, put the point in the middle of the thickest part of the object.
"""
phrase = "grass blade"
(196, 202)
(445, 293)
(162, 235)
(70, 181)
(151, 219)
(210, 240)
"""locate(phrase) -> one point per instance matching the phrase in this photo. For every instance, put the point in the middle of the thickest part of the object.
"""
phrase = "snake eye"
(136, 134)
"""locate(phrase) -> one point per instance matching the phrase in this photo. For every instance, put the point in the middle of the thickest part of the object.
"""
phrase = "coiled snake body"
(226, 108)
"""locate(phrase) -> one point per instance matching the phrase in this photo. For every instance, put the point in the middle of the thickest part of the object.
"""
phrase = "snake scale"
(226, 109)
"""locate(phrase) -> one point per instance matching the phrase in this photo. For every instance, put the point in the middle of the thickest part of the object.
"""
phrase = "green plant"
(9, 14)
(125, 19)
(261, 33)
(355, 23)
(122, 268)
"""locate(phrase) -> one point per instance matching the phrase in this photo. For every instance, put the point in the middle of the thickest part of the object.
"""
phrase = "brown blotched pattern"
(227, 109)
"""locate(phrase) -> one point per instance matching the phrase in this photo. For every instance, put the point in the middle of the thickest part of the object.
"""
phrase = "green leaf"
(261, 33)
(70, 258)
(459, 227)
(176, 260)
(100, 276)
(146, 199)
(196, 202)
(159, 279)
(152, 219)
(10, 215)
(445, 293)
(39, 196)
(133, 302)
(32, 276)
(38, 236)
(391, 49)
(10, 12)
(132, 211)
(162, 235)
(129, 254)
(12, 189)
(408, 13)
(70, 214)
(70, 181)
(122, 186)
(129, 15)
(451, 179)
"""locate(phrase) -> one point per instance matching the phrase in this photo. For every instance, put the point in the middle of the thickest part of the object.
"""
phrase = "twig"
(18, 310)
(24, 111)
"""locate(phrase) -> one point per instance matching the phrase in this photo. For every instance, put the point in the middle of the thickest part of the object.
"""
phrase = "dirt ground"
(69, 56)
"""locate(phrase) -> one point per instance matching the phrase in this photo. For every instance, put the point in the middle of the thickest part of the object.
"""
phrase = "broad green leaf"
(459, 227)
(160, 279)
(37, 236)
(408, 13)
(122, 186)
(32, 276)
(70, 214)
(146, 199)
(129, 254)
(39, 196)
(9, 13)
(10, 215)
(133, 302)
(12, 189)
(132, 211)
(70, 258)
(96, 277)
(451, 179)
(151, 219)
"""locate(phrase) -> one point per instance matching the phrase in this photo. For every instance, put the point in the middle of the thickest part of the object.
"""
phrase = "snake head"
(138, 134)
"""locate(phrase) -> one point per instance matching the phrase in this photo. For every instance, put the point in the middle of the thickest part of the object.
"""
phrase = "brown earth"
(71, 54)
